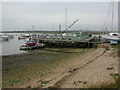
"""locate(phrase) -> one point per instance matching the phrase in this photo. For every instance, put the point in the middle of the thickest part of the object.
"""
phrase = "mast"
(65, 18)
(112, 16)
(110, 10)
(33, 28)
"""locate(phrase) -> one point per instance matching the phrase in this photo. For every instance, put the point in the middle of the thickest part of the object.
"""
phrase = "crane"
(69, 26)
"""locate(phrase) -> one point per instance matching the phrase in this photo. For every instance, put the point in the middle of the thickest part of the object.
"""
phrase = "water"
(12, 46)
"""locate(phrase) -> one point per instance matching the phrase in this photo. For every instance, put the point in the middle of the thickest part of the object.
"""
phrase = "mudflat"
(20, 70)
(61, 68)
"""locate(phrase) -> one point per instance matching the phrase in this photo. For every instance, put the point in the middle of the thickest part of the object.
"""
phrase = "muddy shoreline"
(62, 68)
(18, 69)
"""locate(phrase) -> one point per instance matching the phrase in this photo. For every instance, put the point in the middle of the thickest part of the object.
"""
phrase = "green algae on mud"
(20, 69)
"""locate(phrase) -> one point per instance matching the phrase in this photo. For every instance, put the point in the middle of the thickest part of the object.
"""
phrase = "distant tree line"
(74, 31)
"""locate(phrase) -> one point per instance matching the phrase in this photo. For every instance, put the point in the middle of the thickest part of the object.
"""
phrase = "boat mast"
(112, 16)
(110, 10)
(33, 27)
(65, 18)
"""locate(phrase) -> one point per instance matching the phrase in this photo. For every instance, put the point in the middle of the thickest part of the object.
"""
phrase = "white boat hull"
(113, 38)
(117, 38)
(5, 38)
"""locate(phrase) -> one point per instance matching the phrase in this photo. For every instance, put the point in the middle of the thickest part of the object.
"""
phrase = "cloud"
(21, 16)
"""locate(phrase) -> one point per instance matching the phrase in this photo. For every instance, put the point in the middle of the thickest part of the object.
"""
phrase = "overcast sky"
(49, 15)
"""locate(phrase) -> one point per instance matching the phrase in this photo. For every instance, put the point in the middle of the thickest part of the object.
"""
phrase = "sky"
(49, 15)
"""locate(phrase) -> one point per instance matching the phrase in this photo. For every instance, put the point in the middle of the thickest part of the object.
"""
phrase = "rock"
(11, 84)
(84, 82)
(28, 87)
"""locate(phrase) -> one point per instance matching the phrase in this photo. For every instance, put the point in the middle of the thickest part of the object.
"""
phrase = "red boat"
(30, 43)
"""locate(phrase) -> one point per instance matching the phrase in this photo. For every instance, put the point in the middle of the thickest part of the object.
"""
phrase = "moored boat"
(25, 36)
(24, 47)
(40, 45)
(5, 37)
(113, 38)
(11, 36)
(27, 47)
(31, 45)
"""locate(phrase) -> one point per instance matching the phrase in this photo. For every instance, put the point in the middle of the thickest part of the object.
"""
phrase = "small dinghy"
(24, 47)
(40, 45)
(31, 43)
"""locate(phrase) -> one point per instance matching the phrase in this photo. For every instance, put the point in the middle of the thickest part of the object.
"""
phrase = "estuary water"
(12, 46)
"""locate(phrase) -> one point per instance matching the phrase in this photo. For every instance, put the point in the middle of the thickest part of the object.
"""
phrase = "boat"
(31, 45)
(27, 47)
(25, 36)
(112, 37)
(40, 45)
(5, 37)
(24, 47)
(11, 36)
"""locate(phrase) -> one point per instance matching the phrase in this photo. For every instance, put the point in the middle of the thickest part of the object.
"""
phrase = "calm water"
(12, 46)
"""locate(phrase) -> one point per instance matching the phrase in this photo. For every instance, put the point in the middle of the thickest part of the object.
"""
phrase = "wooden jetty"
(73, 42)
